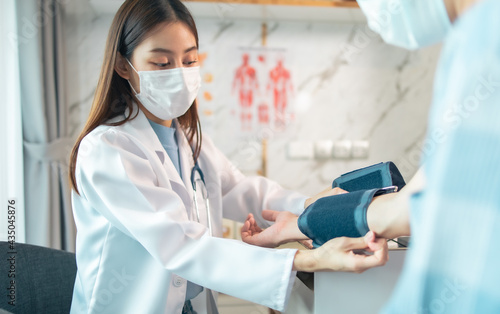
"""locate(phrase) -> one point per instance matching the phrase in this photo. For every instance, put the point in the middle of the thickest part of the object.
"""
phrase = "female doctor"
(149, 198)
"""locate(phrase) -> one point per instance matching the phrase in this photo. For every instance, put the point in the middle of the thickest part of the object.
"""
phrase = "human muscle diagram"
(245, 84)
(280, 85)
(262, 89)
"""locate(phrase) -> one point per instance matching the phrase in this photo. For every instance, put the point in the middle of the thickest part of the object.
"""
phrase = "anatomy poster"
(262, 90)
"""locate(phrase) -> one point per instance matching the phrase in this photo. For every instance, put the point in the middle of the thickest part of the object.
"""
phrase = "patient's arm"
(387, 215)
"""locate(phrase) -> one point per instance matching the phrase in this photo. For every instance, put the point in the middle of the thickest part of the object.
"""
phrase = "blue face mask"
(409, 24)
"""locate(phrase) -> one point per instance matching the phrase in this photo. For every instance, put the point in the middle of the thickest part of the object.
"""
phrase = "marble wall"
(348, 85)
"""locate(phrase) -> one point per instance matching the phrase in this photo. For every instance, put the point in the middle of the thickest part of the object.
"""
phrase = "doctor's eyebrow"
(163, 50)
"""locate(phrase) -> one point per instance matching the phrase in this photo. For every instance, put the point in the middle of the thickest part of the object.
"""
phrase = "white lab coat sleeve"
(116, 177)
(243, 195)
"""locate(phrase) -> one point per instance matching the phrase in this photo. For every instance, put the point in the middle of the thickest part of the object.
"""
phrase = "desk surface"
(357, 293)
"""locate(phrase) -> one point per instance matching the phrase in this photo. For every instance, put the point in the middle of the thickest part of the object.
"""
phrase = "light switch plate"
(360, 149)
(323, 149)
(300, 150)
(342, 149)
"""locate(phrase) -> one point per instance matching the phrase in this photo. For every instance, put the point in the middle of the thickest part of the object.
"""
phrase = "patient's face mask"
(410, 24)
(168, 94)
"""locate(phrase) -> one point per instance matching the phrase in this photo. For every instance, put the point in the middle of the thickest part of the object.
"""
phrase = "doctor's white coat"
(138, 242)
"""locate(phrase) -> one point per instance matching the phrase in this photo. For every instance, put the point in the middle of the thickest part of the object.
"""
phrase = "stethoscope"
(200, 182)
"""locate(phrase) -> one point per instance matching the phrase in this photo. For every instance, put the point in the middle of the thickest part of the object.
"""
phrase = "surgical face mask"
(168, 94)
(410, 24)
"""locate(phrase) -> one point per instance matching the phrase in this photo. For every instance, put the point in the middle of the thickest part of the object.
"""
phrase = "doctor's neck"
(458, 7)
(152, 117)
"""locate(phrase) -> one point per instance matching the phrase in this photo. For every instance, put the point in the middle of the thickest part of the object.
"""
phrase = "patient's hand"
(284, 229)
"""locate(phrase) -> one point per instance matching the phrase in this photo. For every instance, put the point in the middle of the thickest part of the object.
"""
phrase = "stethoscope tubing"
(197, 169)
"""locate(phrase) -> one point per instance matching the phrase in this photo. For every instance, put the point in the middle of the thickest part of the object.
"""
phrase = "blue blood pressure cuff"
(380, 175)
(344, 215)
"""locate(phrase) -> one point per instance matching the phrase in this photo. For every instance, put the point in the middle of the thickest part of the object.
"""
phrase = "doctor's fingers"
(278, 216)
(325, 193)
(336, 191)
(270, 215)
(373, 243)
(369, 241)
(332, 191)
(340, 247)
(251, 219)
(339, 255)
(308, 244)
(348, 244)
(247, 232)
(361, 262)
(251, 224)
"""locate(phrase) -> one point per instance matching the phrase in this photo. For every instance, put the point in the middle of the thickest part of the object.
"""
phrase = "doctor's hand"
(284, 229)
(344, 254)
(328, 192)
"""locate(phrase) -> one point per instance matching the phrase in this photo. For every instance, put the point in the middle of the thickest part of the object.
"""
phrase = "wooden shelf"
(278, 10)
(310, 3)
(111, 6)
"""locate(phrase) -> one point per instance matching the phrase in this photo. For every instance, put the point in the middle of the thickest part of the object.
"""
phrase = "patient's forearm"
(388, 215)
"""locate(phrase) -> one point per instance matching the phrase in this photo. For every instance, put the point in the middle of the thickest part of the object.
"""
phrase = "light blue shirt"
(453, 265)
(168, 140)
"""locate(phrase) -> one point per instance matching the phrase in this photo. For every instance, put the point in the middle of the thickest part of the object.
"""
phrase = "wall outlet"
(342, 149)
(360, 149)
(300, 150)
(323, 149)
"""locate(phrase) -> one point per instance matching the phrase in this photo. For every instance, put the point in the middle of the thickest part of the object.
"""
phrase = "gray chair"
(44, 279)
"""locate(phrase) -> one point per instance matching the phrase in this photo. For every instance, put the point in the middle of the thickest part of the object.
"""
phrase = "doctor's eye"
(161, 65)
(191, 62)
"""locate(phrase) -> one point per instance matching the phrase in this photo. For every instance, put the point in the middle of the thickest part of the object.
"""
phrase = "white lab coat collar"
(140, 128)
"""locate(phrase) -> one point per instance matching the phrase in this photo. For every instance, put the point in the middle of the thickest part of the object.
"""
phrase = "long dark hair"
(131, 24)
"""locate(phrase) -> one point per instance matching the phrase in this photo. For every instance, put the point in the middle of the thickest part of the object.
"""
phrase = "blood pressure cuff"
(380, 175)
(344, 215)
